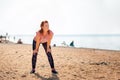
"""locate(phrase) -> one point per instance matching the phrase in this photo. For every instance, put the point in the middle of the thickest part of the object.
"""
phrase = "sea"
(108, 42)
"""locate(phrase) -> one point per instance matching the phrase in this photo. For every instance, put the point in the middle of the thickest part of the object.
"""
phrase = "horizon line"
(68, 34)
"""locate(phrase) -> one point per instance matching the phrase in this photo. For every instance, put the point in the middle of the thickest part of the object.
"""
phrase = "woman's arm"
(37, 41)
(49, 41)
(48, 44)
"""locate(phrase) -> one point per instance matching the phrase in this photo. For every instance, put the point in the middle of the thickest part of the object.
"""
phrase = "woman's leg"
(50, 58)
(34, 57)
(49, 55)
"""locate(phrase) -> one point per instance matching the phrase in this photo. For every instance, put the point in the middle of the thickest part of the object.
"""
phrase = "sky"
(64, 16)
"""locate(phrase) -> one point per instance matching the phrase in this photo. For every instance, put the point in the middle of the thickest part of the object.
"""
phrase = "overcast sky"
(64, 16)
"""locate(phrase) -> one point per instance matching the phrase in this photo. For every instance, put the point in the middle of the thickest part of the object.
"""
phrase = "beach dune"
(71, 63)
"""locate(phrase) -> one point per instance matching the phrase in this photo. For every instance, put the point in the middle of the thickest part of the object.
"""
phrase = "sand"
(71, 63)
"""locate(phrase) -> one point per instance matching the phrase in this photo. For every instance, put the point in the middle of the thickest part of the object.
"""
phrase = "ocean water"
(110, 42)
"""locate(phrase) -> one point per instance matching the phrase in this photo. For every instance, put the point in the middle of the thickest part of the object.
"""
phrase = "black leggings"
(49, 55)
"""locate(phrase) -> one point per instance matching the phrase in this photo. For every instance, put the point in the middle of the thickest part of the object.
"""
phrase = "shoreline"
(64, 47)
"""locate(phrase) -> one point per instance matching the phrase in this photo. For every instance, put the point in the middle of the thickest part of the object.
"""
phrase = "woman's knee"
(34, 44)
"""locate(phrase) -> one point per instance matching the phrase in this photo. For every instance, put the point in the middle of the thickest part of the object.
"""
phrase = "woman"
(43, 36)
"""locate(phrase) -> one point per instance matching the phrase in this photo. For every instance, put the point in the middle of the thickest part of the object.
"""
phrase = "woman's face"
(45, 27)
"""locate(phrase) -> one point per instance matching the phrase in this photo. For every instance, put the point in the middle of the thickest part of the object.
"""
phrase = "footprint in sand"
(23, 75)
(7, 72)
(20, 56)
(13, 77)
(42, 66)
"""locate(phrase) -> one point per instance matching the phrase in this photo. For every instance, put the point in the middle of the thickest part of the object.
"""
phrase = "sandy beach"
(71, 63)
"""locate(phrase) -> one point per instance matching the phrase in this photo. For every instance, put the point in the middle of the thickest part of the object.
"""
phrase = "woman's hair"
(41, 25)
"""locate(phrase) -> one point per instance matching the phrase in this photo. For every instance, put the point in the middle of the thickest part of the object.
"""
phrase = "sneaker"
(32, 71)
(54, 71)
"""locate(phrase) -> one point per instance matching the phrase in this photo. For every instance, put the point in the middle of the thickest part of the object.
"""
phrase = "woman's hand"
(48, 50)
(35, 51)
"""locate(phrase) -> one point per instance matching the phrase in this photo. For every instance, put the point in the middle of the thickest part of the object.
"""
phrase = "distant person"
(64, 43)
(0, 39)
(14, 38)
(54, 45)
(43, 36)
(72, 44)
(6, 36)
(19, 41)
